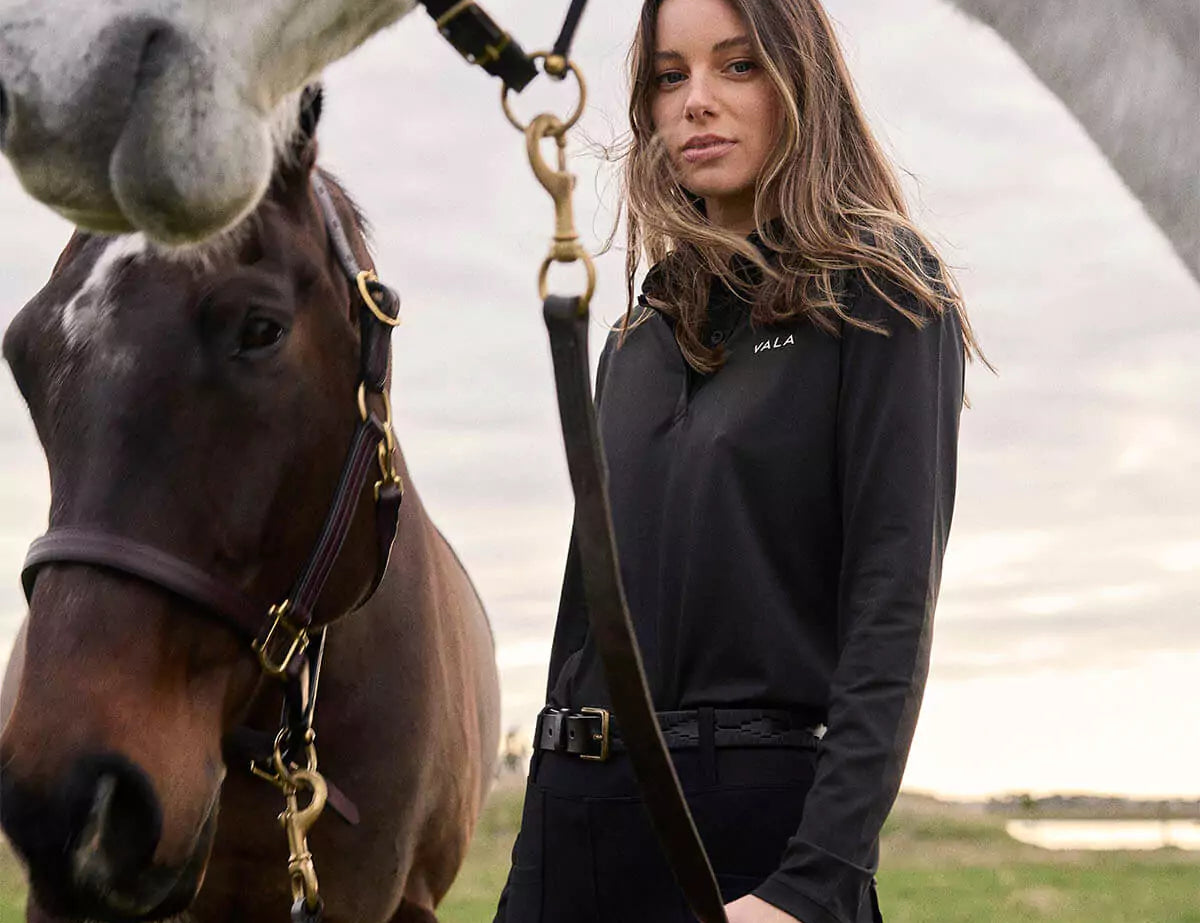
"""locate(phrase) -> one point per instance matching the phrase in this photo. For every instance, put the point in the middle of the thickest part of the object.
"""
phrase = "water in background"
(1106, 834)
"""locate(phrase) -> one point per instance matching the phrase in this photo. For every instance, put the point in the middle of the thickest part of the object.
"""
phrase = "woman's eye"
(668, 78)
(259, 333)
(742, 67)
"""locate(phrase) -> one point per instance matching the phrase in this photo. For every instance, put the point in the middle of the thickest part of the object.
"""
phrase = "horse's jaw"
(163, 116)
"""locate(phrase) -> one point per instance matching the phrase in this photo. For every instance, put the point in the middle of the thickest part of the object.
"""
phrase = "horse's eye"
(259, 333)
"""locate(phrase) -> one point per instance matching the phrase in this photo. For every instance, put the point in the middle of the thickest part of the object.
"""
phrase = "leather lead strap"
(608, 614)
(562, 46)
(475, 35)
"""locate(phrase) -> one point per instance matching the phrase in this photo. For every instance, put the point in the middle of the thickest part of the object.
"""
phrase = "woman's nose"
(700, 101)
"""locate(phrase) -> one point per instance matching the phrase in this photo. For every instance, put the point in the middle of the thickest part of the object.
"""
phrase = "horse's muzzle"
(110, 821)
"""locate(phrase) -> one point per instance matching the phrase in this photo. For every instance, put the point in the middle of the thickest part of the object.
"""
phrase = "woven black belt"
(592, 734)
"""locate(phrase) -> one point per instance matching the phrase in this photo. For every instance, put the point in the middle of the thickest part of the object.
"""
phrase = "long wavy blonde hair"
(838, 207)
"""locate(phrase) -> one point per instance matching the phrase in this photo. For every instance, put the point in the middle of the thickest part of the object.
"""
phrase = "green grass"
(939, 865)
(12, 888)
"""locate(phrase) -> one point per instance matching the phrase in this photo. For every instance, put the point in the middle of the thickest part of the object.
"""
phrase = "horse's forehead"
(86, 311)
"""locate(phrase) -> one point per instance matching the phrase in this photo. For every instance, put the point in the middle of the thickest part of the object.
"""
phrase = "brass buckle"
(299, 641)
(602, 736)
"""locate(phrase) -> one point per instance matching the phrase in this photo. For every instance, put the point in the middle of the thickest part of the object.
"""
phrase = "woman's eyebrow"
(737, 40)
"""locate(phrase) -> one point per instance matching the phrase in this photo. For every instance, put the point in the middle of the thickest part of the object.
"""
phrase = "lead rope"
(612, 630)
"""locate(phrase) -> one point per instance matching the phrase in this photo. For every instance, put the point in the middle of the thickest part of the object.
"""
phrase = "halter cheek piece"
(278, 634)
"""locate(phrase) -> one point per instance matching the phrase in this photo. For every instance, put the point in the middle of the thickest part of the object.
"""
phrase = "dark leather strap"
(612, 631)
(562, 46)
(356, 474)
(475, 36)
(102, 549)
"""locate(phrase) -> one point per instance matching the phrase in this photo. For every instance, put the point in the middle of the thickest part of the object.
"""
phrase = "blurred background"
(1067, 644)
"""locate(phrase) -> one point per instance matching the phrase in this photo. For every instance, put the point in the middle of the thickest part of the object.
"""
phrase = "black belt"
(592, 733)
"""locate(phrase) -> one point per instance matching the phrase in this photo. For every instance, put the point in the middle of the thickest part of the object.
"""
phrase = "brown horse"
(203, 406)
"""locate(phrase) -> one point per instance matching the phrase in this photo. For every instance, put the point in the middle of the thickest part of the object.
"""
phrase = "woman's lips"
(708, 151)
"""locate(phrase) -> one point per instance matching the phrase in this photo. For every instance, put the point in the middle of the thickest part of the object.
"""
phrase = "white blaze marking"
(90, 305)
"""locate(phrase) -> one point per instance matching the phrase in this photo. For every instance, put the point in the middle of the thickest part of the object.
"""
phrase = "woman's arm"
(899, 400)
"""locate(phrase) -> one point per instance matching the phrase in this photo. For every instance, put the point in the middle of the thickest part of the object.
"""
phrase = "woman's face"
(714, 107)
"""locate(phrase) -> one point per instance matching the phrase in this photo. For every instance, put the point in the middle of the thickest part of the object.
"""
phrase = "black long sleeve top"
(781, 525)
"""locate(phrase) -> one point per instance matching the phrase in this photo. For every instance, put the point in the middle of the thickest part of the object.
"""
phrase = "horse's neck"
(1130, 80)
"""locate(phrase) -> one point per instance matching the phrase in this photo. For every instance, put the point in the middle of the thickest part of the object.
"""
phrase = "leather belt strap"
(583, 733)
(612, 630)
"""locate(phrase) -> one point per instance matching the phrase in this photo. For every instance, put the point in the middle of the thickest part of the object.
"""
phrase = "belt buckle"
(602, 736)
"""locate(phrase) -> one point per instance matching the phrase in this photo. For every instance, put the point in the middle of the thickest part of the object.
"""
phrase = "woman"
(780, 419)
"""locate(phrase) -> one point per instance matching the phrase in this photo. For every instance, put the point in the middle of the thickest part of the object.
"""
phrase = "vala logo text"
(777, 343)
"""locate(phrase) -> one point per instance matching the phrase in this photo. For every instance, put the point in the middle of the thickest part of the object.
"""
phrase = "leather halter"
(277, 633)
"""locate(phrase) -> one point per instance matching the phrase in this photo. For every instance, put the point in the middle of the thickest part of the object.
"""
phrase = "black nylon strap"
(608, 614)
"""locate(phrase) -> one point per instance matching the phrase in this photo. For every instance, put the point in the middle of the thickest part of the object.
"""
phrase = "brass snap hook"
(560, 183)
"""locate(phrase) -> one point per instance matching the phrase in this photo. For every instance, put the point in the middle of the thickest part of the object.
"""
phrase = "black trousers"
(586, 852)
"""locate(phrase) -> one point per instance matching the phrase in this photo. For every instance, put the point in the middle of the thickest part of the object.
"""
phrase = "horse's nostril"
(116, 838)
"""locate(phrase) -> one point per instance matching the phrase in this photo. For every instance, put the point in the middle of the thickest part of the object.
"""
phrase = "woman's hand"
(751, 909)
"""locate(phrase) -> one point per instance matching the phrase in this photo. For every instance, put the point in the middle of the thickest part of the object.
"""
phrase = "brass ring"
(569, 65)
(586, 298)
(368, 275)
(387, 406)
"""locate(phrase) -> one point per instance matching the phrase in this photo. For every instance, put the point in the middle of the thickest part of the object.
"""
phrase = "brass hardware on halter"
(386, 452)
(281, 628)
(368, 275)
(297, 821)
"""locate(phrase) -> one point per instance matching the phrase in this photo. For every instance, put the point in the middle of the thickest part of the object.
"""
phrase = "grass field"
(939, 865)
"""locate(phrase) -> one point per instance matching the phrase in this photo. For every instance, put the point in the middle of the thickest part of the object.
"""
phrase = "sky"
(1066, 654)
